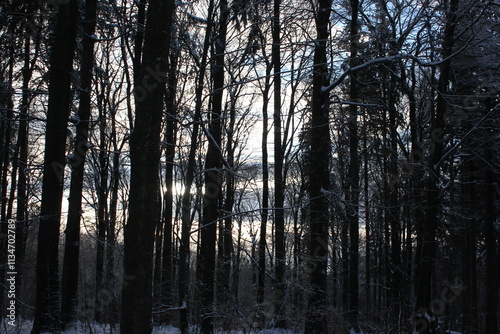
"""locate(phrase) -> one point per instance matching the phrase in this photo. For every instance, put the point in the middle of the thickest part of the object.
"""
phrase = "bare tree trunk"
(22, 144)
(261, 282)
(184, 251)
(368, 253)
(227, 222)
(47, 316)
(279, 186)
(319, 177)
(393, 215)
(167, 280)
(213, 186)
(109, 297)
(492, 251)
(353, 176)
(102, 213)
(137, 301)
(425, 321)
(468, 240)
(70, 273)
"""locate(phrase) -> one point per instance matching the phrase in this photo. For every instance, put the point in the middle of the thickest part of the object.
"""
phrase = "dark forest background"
(323, 166)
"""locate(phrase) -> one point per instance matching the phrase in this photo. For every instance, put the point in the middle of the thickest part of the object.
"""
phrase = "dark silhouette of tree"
(144, 154)
(70, 273)
(426, 229)
(353, 175)
(213, 185)
(47, 315)
(319, 176)
(279, 184)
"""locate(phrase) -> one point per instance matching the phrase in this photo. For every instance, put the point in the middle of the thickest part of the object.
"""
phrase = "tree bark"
(136, 313)
(261, 282)
(70, 272)
(319, 177)
(213, 187)
(279, 185)
(47, 315)
(22, 144)
(102, 209)
(492, 250)
(426, 229)
(353, 176)
(184, 249)
(168, 198)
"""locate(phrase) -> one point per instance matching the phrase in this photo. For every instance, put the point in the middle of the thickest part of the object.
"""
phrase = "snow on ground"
(24, 327)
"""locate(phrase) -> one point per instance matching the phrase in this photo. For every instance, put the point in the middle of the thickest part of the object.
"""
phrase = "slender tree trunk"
(492, 250)
(137, 301)
(139, 41)
(168, 198)
(393, 210)
(227, 231)
(47, 315)
(353, 177)
(468, 239)
(319, 178)
(70, 273)
(368, 254)
(425, 321)
(109, 297)
(22, 144)
(261, 282)
(158, 247)
(279, 186)
(102, 213)
(213, 186)
(184, 251)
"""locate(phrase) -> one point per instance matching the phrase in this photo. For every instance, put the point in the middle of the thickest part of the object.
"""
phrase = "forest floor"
(24, 327)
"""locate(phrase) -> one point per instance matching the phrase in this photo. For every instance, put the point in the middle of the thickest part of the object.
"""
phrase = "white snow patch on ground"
(24, 327)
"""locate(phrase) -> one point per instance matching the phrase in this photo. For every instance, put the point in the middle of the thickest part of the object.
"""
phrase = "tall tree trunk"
(137, 301)
(265, 189)
(22, 144)
(353, 176)
(279, 186)
(70, 273)
(392, 213)
(213, 190)
(368, 236)
(468, 239)
(109, 297)
(492, 250)
(319, 177)
(102, 211)
(158, 248)
(227, 222)
(47, 315)
(184, 249)
(168, 198)
(425, 321)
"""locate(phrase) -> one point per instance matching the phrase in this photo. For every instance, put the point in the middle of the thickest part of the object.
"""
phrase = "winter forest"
(258, 166)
